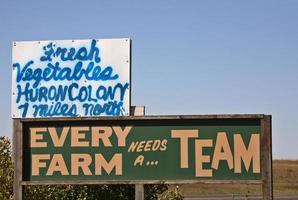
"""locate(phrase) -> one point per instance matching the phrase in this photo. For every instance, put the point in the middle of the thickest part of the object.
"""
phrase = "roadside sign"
(71, 78)
(142, 149)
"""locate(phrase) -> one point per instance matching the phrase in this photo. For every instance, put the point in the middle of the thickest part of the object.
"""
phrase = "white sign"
(69, 78)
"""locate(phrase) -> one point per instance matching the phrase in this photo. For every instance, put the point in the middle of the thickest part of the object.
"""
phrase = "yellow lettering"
(121, 134)
(156, 145)
(222, 151)
(77, 135)
(133, 146)
(115, 162)
(200, 158)
(80, 161)
(139, 160)
(163, 145)
(148, 145)
(58, 141)
(101, 133)
(37, 163)
(141, 146)
(183, 135)
(252, 153)
(34, 137)
(57, 164)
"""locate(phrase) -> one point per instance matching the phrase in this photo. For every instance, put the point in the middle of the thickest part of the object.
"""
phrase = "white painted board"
(70, 78)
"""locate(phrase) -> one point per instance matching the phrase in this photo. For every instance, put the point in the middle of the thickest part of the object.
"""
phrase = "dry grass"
(285, 181)
(285, 176)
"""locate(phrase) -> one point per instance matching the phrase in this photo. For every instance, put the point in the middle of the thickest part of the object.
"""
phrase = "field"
(285, 182)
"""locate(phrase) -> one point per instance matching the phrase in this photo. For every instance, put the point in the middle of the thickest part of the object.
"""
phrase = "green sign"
(142, 149)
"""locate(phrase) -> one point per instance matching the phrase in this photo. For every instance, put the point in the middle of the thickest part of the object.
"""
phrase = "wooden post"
(267, 182)
(17, 158)
(139, 192)
(139, 188)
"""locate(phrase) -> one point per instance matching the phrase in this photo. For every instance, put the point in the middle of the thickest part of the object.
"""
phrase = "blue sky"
(188, 57)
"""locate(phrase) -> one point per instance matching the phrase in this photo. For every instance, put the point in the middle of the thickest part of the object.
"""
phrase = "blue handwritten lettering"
(25, 109)
(73, 92)
(53, 89)
(70, 54)
(57, 73)
(112, 108)
(57, 109)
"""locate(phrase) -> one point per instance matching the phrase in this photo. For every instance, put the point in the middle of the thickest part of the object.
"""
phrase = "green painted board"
(155, 149)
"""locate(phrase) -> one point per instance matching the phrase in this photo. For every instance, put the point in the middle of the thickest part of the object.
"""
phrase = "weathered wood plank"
(150, 117)
(267, 185)
(95, 182)
(17, 158)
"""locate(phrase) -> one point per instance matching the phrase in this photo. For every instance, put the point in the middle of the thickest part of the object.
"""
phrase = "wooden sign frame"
(266, 153)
